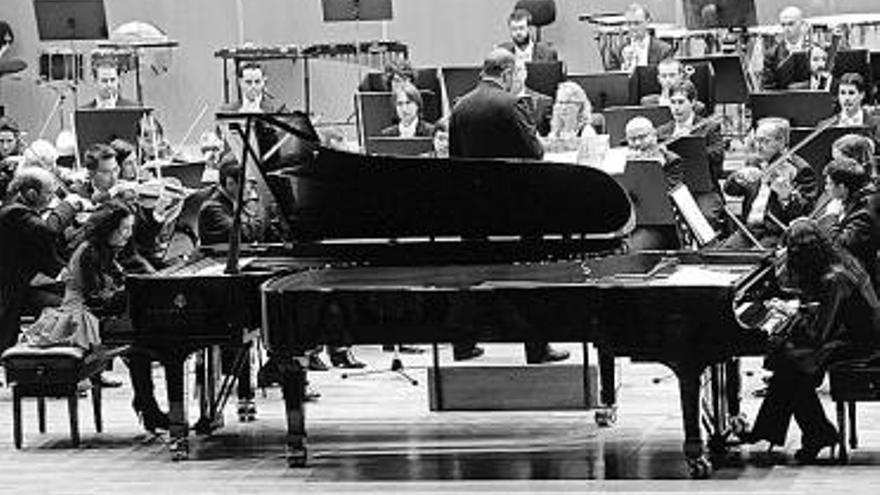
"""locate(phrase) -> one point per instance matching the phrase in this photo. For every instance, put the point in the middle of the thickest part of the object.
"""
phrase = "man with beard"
(521, 43)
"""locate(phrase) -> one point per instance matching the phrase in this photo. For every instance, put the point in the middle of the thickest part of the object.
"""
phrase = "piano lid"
(326, 195)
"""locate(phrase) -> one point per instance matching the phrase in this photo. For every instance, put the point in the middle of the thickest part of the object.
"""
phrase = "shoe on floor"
(470, 352)
(316, 363)
(345, 359)
(546, 354)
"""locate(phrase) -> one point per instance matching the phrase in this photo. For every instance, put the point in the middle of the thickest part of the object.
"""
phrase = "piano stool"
(48, 372)
(851, 382)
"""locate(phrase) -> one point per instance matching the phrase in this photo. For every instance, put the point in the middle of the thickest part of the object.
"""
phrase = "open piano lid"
(328, 195)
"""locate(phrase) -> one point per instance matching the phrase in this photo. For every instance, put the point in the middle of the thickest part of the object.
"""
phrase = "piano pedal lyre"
(179, 448)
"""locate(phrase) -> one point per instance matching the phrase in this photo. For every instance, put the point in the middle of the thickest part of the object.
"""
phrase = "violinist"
(10, 138)
(854, 226)
(686, 122)
(776, 186)
(851, 96)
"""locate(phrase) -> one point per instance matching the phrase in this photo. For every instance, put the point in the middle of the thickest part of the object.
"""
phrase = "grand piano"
(540, 241)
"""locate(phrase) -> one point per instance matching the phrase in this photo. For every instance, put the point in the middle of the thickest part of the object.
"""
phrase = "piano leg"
(606, 415)
(177, 413)
(294, 389)
(689, 379)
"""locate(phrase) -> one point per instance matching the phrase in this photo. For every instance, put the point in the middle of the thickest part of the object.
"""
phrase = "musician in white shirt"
(642, 49)
(850, 97)
(106, 75)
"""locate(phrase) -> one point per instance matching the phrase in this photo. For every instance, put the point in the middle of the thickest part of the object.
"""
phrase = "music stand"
(617, 117)
(695, 163)
(730, 84)
(802, 108)
(818, 151)
(605, 89)
(544, 77)
(66, 20)
(102, 126)
(645, 182)
(459, 81)
(795, 68)
(356, 10)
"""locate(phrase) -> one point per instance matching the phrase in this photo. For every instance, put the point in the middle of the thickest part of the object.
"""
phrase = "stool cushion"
(20, 352)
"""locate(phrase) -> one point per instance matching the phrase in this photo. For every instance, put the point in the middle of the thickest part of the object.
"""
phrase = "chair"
(851, 382)
(543, 13)
(49, 372)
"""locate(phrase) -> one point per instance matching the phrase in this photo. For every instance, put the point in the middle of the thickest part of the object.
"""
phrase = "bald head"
(500, 64)
(640, 134)
(792, 21)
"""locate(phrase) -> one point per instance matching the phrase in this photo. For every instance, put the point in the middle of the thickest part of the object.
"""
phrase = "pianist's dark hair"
(104, 221)
(96, 153)
(853, 79)
(847, 172)
(811, 256)
(519, 14)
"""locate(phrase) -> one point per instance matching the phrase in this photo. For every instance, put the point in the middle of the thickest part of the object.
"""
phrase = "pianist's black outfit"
(838, 317)
(490, 122)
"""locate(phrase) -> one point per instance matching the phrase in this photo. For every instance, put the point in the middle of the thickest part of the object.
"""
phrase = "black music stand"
(730, 83)
(65, 20)
(802, 108)
(605, 89)
(695, 163)
(818, 151)
(94, 126)
(396, 146)
(645, 182)
(544, 77)
(459, 81)
(795, 68)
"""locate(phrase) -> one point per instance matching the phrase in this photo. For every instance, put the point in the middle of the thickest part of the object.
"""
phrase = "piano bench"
(48, 372)
(851, 382)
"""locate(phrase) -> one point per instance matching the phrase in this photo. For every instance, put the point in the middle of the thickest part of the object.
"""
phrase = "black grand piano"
(448, 236)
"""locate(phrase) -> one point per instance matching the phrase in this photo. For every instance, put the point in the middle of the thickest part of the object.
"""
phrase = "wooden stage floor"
(376, 435)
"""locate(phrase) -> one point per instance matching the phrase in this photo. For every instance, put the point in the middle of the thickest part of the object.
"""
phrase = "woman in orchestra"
(820, 74)
(10, 138)
(408, 106)
(859, 148)
(836, 314)
(94, 287)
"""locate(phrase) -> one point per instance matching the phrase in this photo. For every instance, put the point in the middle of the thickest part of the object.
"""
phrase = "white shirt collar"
(524, 53)
(255, 106)
(108, 103)
(641, 50)
(408, 131)
(857, 120)
(795, 47)
(684, 128)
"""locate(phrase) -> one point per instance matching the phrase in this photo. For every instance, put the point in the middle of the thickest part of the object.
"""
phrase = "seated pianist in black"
(776, 186)
(686, 122)
(835, 319)
(642, 143)
(408, 107)
(492, 122)
(851, 91)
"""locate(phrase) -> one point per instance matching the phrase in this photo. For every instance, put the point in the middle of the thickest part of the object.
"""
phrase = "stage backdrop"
(439, 32)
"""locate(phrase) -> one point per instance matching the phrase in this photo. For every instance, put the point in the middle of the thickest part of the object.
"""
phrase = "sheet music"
(615, 161)
(219, 268)
(691, 213)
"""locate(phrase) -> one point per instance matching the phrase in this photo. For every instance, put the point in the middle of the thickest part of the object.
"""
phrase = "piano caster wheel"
(738, 425)
(606, 417)
(179, 450)
(699, 468)
(296, 458)
(247, 412)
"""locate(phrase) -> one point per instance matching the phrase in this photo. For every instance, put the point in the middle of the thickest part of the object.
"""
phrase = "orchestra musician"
(686, 122)
(492, 122)
(408, 105)
(573, 126)
(397, 72)
(126, 158)
(858, 147)
(851, 96)
(642, 48)
(836, 316)
(218, 212)
(521, 44)
(794, 38)
(10, 138)
(105, 72)
(855, 226)
(821, 78)
(642, 144)
(776, 187)
(29, 237)
(540, 105)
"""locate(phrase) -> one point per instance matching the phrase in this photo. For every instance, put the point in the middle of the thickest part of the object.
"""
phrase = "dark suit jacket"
(771, 78)
(423, 129)
(869, 119)
(489, 122)
(542, 52)
(806, 190)
(120, 103)
(714, 143)
(28, 245)
(216, 217)
(657, 51)
(859, 230)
